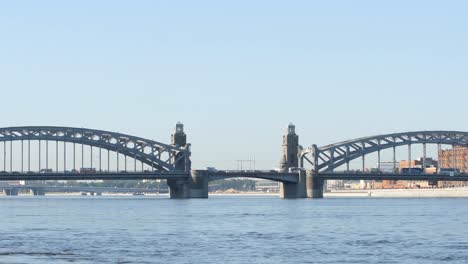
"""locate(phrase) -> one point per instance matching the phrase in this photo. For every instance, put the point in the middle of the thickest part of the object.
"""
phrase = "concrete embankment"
(403, 193)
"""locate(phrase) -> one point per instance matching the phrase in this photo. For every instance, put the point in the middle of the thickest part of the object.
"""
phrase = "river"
(232, 229)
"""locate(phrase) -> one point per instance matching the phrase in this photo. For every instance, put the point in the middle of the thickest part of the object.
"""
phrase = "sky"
(236, 73)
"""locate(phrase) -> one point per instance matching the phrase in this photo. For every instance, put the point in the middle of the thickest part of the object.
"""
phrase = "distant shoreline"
(403, 193)
(461, 192)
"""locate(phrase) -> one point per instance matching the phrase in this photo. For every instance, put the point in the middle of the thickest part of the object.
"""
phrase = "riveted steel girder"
(162, 157)
(330, 157)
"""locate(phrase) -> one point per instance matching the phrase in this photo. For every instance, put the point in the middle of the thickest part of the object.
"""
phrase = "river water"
(232, 229)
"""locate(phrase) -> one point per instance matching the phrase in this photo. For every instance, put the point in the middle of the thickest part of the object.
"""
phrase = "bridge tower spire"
(179, 138)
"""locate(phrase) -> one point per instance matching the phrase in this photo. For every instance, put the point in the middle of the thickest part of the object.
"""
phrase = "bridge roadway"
(46, 188)
(213, 175)
(71, 176)
(219, 175)
(258, 174)
(182, 185)
(195, 183)
(391, 176)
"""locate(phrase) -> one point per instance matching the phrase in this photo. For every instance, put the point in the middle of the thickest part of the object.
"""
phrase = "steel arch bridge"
(161, 157)
(327, 158)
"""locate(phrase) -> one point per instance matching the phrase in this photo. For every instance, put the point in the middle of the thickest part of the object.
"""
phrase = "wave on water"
(24, 253)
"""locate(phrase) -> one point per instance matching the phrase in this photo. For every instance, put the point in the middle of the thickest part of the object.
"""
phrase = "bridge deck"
(392, 176)
(266, 175)
(92, 176)
(47, 188)
(215, 175)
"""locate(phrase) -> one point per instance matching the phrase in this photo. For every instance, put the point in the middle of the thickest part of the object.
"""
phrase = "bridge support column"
(199, 184)
(194, 187)
(37, 192)
(294, 190)
(178, 189)
(10, 192)
(314, 185)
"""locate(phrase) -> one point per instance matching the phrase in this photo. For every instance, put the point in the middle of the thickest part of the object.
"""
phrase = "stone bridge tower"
(196, 186)
(290, 149)
(290, 159)
(179, 138)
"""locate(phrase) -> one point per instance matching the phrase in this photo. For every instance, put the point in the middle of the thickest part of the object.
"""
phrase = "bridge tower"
(179, 138)
(290, 149)
(196, 186)
(290, 163)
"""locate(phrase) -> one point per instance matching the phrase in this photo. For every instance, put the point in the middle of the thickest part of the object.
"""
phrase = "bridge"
(64, 153)
(13, 190)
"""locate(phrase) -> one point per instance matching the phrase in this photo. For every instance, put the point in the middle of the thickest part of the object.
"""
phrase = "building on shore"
(427, 165)
(387, 166)
(335, 185)
(419, 163)
(267, 186)
(456, 158)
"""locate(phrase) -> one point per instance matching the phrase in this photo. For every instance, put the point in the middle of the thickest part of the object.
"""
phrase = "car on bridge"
(87, 170)
(211, 169)
(411, 171)
(449, 171)
(295, 170)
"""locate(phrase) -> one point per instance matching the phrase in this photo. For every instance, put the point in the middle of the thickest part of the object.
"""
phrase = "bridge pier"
(37, 192)
(10, 192)
(294, 190)
(314, 185)
(178, 188)
(199, 184)
(194, 187)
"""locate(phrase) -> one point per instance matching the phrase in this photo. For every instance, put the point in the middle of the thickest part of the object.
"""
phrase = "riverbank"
(402, 193)
(387, 193)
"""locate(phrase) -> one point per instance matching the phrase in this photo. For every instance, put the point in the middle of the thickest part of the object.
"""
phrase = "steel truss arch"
(162, 157)
(330, 157)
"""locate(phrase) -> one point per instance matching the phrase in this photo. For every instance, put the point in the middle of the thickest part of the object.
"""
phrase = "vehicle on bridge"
(295, 170)
(87, 170)
(211, 169)
(411, 171)
(449, 171)
(375, 170)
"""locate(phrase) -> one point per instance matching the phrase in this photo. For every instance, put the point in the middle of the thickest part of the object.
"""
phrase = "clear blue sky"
(236, 72)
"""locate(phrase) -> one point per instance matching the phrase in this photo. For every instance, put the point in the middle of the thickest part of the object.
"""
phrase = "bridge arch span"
(330, 157)
(162, 157)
